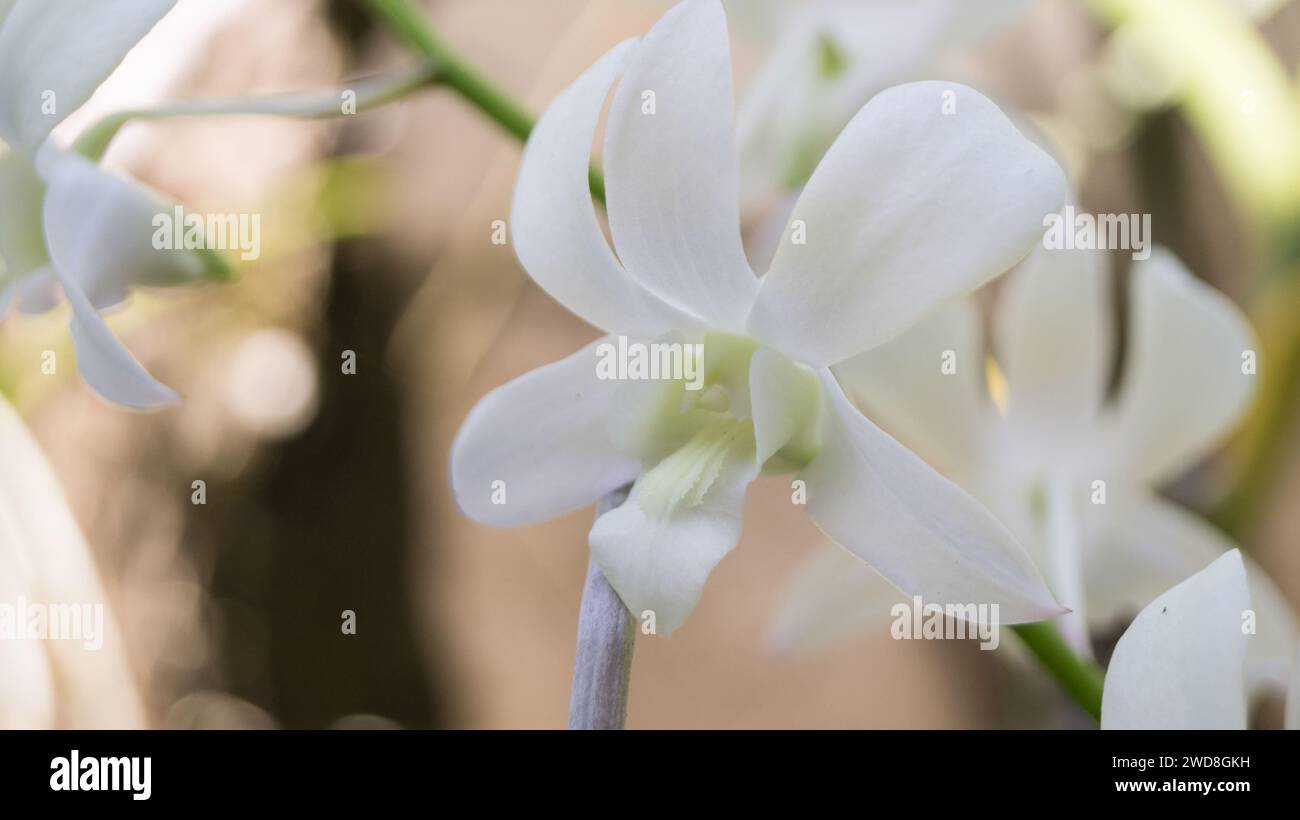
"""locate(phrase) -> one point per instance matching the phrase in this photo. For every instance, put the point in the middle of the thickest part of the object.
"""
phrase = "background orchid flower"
(44, 559)
(1182, 662)
(63, 219)
(833, 56)
(910, 206)
(1106, 548)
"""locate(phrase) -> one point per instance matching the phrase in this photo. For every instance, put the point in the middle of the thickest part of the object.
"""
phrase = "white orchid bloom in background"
(44, 561)
(909, 207)
(63, 219)
(833, 56)
(1182, 663)
(1071, 474)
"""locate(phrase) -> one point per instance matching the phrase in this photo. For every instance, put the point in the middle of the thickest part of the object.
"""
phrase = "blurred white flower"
(1182, 662)
(833, 56)
(52, 682)
(1071, 474)
(63, 219)
(910, 206)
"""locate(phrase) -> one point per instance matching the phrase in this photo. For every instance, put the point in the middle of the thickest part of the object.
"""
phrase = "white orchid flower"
(56, 681)
(63, 219)
(1182, 663)
(833, 56)
(909, 207)
(1072, 474)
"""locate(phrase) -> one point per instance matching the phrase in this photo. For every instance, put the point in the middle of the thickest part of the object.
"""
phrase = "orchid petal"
(557, 237)
(54, 55)
(1180, 664)
(797, 103)
(100, 231)
(1148, 545)
(680, 520)
(44, 558)
(1185, 382)
(786, 401)
(105, 364)
(921, 531)
(535, 448)
(911, 206)
(671, 176)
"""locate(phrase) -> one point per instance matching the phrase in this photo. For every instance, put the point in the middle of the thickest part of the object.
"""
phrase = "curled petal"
(557, 237)
(105, 365)
(671, 176)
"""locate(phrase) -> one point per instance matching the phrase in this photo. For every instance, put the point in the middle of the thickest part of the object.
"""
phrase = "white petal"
(556, 235)
(794, 107)
(911, 206)
(830, 596)
(785, 399)
(658, 560)
(1180, 664)
(1183, 387)
(921, 531)
(107, 366)
(1054, 341)
(538, 446)
(44, 558)
(54, 55)
(906, 386)
(671, 179)
(1147, 545)
(99, 228)
(27, 687)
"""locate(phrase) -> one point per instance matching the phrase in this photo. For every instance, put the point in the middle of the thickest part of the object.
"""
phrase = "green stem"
(313, 105)
(409, 23)
(1082, 679)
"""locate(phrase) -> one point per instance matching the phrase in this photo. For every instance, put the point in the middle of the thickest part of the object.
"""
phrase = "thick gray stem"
(606, 638)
